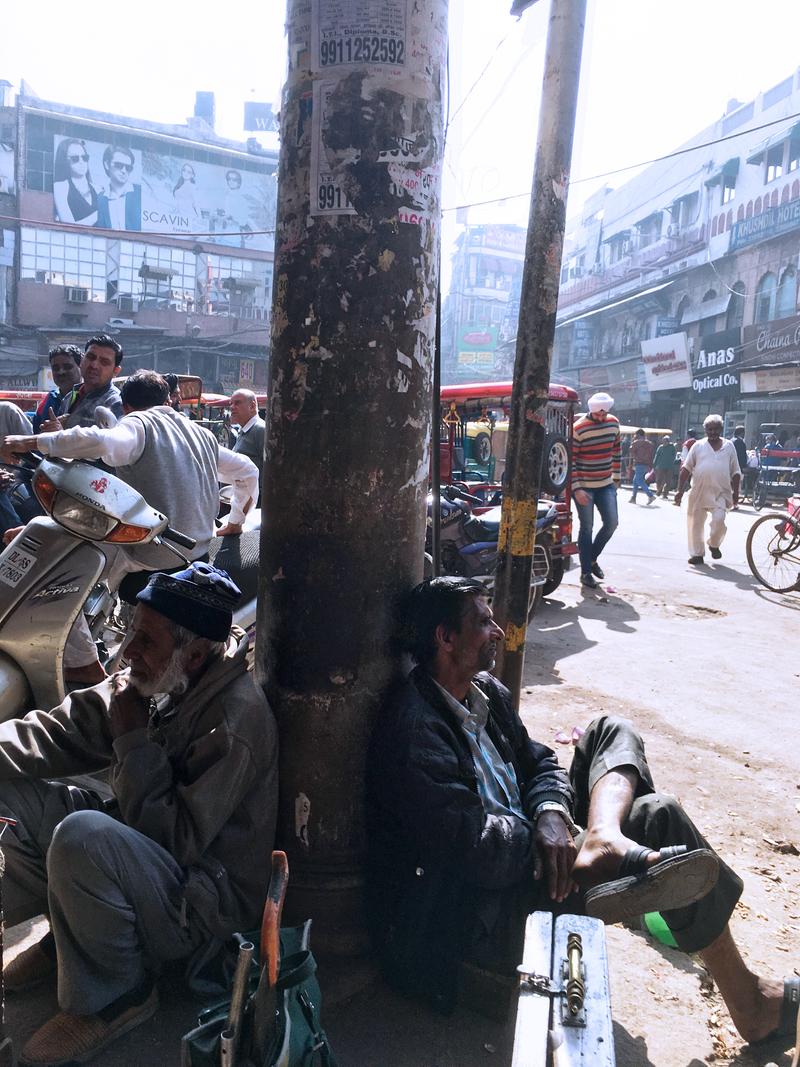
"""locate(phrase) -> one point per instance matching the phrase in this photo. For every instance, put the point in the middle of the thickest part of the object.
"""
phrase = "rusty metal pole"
(536, 331)
(348, 436)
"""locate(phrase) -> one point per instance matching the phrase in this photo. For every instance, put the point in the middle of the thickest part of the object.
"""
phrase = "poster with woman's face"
(231, 206)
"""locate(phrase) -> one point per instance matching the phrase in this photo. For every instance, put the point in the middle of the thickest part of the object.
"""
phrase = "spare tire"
(556, 463)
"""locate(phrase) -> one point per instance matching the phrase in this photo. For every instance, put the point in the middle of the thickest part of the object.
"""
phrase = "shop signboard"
(476, 347)
(114, 187)
(771, 343)
(666, 362)
(770, 223)
(772, 380)
(716, 365)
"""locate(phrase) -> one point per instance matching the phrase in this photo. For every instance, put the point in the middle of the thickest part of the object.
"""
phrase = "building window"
(793, 157)
(728, 188)
(765, 299)
(786, 303)
(55, 258)
(775, 162)
(735, 316)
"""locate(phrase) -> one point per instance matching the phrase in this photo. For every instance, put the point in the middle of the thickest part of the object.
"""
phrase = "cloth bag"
(299, 1040)
(650, 477)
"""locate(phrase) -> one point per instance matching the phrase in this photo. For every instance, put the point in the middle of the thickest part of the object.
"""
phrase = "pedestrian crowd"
(712, 466)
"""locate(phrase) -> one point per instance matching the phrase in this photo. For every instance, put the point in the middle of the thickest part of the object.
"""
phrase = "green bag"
(299, 1039)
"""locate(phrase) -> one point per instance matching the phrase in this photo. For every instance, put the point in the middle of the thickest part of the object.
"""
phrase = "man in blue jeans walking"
(595, 477)
(642, 452)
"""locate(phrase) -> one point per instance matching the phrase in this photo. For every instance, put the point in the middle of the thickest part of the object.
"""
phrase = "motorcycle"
(55, 568)
(469, 542)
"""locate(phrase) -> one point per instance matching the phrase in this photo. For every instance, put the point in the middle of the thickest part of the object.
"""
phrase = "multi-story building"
(162, 235)
(480, 312)
(679, 289)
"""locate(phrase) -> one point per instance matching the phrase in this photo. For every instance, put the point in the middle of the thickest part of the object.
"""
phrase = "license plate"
(14, 565)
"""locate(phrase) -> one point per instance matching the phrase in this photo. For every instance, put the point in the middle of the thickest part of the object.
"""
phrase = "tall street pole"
(536, 331)
(347, 450)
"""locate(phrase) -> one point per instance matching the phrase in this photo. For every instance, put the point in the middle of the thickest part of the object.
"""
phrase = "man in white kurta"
(715, 473)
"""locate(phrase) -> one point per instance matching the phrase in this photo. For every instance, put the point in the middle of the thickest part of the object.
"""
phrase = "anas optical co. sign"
(666, 362)
(716, 367)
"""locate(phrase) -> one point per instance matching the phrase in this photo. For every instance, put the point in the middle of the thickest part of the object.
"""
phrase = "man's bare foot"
(759, 1012)
(600, 857)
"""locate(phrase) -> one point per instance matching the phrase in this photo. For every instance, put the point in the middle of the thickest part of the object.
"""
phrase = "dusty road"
(706, 664)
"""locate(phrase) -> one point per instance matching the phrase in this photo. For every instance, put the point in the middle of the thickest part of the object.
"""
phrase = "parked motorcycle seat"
(239, 557)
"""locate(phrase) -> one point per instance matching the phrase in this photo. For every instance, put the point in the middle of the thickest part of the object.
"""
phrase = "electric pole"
(536, 330)
(348, 429)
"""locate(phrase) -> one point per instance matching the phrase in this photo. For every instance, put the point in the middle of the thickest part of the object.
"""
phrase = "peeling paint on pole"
(347, 449)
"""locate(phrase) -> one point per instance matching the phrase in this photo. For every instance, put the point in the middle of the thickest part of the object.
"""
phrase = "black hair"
(102, 340)
(639, 433)
(66, 350)
(61, 170)
(435, 602)
(171, 380)
(108, 155)
(144, 389)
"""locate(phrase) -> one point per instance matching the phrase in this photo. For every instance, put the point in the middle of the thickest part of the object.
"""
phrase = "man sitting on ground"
(471, 826)
(178, 860)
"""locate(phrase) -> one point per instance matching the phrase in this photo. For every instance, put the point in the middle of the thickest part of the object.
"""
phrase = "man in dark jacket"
(471, 826)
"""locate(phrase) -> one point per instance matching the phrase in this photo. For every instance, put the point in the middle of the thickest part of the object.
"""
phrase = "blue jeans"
(639, 471)
(605, 500)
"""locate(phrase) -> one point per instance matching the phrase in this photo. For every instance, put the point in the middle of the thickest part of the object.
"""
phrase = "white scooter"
(53, 569)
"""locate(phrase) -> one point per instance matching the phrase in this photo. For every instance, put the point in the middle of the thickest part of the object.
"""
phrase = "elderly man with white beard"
(177, 860)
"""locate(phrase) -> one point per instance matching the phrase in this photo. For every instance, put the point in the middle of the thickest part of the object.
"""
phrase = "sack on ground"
(298, 1040)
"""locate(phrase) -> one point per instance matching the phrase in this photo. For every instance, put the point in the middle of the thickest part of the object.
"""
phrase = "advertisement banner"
(776, 380)
(771, 343)
(666, 362)
(118, 188)
(716, 367)
(775, 220)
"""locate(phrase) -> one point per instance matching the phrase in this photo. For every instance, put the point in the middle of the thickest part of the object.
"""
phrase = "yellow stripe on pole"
(518, 527)
(515, 637)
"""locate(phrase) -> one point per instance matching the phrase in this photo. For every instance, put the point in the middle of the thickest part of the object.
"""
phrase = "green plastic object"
(657, 928)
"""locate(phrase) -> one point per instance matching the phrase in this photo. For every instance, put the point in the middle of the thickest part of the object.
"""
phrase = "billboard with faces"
(118, 188)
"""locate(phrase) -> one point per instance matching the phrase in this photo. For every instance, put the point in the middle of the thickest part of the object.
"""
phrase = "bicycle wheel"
(759, 495)
(773, 551)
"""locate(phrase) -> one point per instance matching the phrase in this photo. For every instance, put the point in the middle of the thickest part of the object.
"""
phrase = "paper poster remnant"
(350, 33)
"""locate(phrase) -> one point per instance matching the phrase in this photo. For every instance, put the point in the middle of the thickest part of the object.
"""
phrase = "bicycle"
(773, 551)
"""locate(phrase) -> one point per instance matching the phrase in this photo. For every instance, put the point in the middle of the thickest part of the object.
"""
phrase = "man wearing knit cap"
(177, 859)
(595, 477)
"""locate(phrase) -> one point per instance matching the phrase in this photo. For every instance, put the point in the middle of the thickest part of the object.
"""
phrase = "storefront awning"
(643, 296)
(728, 170)
(777, 138)
(709, 309)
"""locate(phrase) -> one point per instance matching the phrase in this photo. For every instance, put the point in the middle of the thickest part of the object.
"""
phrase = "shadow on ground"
(557, 632)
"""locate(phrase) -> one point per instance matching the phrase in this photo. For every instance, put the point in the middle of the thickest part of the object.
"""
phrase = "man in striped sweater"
(595, 477)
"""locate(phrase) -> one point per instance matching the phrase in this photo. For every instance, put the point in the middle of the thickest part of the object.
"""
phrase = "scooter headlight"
(81, 519)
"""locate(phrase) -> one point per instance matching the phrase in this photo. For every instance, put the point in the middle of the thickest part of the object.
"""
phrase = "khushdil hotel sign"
(769, 223)
(666, 363)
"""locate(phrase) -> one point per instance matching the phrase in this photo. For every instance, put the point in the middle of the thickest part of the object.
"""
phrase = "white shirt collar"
(249, 424)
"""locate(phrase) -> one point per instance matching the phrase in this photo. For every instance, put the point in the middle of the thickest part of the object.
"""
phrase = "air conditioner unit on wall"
(127, 303)
(77, 295)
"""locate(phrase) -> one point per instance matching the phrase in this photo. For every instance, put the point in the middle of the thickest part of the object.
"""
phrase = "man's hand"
(581, 497)
(230, 529)
(53, 424)
(677, 498)
(11, 533)
(6, 479)
(555, 855)
(14, 444)
(129, 710)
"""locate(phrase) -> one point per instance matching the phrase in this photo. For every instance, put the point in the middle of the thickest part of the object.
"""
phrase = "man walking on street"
(177, 859)
(642, 460)
(714, 469)
(663, 465)
(472, 826)
(595, 477)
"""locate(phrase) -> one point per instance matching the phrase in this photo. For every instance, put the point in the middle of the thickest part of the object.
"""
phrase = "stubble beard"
(173, 680)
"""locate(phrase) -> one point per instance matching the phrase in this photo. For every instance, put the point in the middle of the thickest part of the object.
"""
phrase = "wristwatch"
(553, 805)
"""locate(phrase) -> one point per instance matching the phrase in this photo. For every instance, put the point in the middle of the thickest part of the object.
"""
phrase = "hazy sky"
(654, 73)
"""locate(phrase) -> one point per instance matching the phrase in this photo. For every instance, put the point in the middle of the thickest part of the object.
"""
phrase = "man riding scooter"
(173, 463)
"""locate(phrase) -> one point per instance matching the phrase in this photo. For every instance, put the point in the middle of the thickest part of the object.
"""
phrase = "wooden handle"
(271, 920)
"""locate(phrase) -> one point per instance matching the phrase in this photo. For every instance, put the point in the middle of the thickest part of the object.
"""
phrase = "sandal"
(678, 879)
